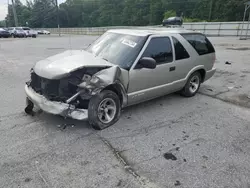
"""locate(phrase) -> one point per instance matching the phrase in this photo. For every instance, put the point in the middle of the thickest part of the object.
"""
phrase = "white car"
(43, 32)
(30, 32)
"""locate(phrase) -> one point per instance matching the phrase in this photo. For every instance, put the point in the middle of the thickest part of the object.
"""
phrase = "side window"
(200, 43)
(180, 51)
(160, 49)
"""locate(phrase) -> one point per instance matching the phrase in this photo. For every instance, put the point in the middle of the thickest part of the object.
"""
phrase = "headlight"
(86, 78)
(94, 80)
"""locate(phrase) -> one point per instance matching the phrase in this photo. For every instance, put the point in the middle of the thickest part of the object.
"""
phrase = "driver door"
(146, 84)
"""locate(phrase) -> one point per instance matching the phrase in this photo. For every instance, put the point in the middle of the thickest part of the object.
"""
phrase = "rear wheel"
(104, 110)
(192, 86)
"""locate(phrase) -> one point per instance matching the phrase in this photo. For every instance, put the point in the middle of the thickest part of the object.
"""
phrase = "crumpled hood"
(58, 66)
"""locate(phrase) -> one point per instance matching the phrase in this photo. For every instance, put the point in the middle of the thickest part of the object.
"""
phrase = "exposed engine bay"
(62, 89)
(71, 94)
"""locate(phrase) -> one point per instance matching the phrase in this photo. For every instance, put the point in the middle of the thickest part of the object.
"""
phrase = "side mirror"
(147, 62)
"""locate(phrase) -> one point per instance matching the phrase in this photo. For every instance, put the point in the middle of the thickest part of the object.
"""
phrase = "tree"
(93, 13)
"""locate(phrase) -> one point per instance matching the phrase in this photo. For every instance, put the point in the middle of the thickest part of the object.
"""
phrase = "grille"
(45, 87)
(60, 90)
(55, 90)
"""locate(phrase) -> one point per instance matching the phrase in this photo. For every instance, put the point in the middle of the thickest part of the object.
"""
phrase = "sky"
(3, 7)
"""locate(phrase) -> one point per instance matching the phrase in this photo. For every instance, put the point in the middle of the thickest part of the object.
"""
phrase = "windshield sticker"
(129, 43)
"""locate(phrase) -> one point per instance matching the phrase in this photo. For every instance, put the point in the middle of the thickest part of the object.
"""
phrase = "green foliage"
(2, 24)
(170, 13)
(93, 13)
(193, 20)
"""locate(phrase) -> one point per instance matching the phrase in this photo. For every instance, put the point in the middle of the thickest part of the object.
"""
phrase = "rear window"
(180, 51)
(26, 28)
(200, 43)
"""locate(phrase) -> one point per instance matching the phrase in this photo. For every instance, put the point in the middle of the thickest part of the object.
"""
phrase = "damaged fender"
(113, 77)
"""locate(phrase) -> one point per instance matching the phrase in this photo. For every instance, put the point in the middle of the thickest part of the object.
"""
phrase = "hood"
(60, 65)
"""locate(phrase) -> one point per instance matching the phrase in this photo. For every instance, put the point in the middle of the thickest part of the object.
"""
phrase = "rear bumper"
(20, 35)
(209, 74)
(4, 35)
(56, 108)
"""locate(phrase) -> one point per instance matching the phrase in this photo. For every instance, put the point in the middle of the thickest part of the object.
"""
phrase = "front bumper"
(56, 108)
(209, 74)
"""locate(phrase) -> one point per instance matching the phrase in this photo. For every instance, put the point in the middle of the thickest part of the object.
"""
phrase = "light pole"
(57, 12)
(14, 13)
(210, 11)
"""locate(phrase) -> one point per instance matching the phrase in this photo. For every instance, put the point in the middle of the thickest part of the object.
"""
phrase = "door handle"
(172, 69)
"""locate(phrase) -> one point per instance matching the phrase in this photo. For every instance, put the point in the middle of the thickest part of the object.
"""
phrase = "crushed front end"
(68, 96)
(60, 96)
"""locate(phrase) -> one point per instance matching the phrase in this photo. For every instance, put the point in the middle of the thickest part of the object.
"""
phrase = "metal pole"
(14, 13)
(243, 21)
(58, 24)
(210, 11)
(8, 13)
(248, 25)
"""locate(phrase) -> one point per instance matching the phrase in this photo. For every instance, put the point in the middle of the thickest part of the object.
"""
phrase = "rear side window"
(160, 49)
(200, 43)
(180, 51)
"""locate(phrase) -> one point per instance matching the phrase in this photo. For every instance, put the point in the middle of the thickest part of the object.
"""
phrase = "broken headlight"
(94, 80)
(89, 82)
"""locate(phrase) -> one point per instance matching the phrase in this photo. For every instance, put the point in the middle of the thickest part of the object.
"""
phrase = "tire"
(98, 108)
(192, 86)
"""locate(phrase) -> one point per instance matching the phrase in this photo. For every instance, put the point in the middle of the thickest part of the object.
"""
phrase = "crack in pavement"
(143, 181)
(226, 100)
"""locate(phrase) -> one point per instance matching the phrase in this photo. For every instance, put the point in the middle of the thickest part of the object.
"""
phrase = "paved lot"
(208, 135)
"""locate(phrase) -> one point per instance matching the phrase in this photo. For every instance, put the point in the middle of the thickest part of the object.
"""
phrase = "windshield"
(118, 49)
(19, 29)
(26, 28)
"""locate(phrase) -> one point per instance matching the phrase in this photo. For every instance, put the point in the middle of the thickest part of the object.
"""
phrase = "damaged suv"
(121, 68)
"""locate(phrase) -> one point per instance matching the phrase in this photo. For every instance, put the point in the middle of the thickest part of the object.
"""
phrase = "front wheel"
(192, 86)
(104, 110)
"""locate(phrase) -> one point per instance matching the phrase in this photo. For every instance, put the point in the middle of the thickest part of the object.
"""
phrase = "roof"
(151, 31)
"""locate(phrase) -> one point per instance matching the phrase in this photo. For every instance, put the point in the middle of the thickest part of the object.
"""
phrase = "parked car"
(121, 68)
(16, 32)
(172, 21)
(43, 32)
(4, 33)
(30, 32)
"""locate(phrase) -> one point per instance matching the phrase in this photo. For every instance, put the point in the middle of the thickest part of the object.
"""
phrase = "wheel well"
(203, 74)
(116, 90)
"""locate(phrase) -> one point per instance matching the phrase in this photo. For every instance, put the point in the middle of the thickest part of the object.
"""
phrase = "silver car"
(29, 32)
(121, 68)
(17, 32)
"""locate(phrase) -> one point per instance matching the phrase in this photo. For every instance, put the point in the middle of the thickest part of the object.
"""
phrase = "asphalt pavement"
(199, 142)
